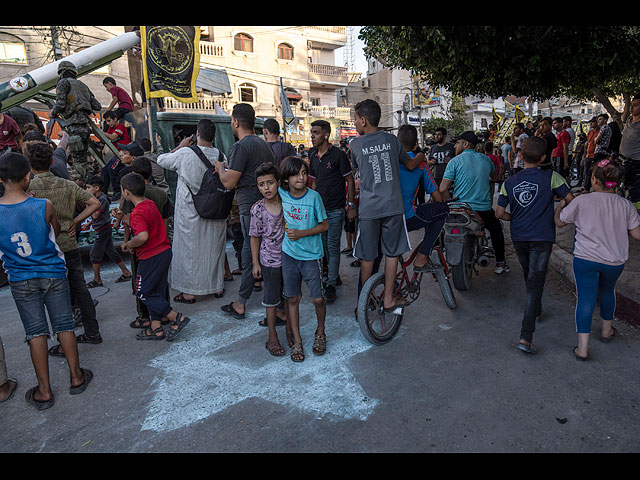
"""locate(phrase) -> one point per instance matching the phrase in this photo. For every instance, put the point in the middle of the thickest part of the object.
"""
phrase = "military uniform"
(75, 102)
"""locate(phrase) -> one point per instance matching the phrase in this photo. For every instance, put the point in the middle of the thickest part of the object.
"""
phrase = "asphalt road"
(450, 381)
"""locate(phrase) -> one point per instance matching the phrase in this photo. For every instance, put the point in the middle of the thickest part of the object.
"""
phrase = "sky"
(361, 62)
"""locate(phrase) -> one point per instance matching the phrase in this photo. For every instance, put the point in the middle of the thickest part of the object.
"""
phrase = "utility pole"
(55, 44)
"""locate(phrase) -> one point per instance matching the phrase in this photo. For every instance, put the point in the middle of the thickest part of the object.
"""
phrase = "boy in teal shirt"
(305, 220)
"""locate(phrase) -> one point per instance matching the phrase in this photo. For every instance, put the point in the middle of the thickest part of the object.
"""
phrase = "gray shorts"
(103, 245)
(387, 234)
(272, 284)
(294, 271)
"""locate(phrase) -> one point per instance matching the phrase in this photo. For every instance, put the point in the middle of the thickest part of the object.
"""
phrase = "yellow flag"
(170, 61)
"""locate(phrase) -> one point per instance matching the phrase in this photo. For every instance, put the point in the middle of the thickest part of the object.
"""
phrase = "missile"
(21, 88)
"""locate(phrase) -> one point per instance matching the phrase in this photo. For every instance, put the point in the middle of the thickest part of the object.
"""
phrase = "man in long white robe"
(199, 244)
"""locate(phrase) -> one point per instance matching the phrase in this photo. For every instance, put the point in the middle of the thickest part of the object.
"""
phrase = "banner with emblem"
(520, 115)
(497, 120)
(170, 61)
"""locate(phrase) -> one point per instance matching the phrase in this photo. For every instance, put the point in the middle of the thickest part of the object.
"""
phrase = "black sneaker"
(330, 293)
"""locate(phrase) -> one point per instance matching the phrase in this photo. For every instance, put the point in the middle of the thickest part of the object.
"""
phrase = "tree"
(582, 62)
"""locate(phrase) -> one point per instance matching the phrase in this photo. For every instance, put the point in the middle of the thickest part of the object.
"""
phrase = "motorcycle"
(466, 244)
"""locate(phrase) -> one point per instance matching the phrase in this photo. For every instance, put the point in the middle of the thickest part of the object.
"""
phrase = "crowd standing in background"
(290, 209)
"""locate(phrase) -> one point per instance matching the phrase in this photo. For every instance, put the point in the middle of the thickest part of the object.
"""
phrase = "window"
(243, 42)
(248, 92)
(11, 52)
(285, 51)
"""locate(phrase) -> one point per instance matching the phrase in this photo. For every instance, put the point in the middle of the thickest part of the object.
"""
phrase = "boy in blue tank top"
(37, 274)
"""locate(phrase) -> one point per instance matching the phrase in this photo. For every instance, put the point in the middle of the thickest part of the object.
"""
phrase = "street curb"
(627, 309)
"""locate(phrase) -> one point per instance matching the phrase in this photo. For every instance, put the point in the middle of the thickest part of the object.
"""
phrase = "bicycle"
(378, 327)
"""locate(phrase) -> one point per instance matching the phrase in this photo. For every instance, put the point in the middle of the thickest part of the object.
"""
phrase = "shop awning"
(214, 81)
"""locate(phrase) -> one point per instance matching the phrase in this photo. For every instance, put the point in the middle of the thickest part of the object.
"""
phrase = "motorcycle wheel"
(463, 272)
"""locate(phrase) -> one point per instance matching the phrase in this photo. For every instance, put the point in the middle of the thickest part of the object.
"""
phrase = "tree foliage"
(582, 62)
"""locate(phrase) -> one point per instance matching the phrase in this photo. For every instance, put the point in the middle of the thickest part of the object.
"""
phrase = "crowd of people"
(287, 218)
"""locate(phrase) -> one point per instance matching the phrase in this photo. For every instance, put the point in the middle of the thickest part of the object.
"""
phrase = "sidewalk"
(628, 286)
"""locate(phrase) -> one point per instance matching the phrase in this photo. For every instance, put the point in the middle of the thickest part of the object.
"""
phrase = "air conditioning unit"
(306, 106)
(364, 82)
(343, 92)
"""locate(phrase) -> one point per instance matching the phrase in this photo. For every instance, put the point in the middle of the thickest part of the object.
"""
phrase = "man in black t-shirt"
(440, 154)
(546, 133)
(329, 168)
(247, 154)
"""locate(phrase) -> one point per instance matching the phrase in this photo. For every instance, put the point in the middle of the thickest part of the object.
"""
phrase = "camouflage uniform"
(75, 102)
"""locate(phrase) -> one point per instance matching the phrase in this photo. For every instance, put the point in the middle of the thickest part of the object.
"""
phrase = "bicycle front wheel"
(376, 326)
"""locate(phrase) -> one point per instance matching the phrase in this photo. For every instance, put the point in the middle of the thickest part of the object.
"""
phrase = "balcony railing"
(340, 30)
(329, 70)
(211, 49)
(205, 104)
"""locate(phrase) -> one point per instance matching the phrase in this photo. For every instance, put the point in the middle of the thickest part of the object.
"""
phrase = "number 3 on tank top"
(22, 240)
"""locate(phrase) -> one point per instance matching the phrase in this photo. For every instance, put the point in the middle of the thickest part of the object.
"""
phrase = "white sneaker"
(502, 268)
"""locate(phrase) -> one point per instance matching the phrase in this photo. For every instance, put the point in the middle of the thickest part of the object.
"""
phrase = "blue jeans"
(31, 297)
(534, 259)
(594, 282)
(331, 242)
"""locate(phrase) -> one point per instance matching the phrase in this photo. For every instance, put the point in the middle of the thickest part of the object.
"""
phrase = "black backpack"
(213, 201)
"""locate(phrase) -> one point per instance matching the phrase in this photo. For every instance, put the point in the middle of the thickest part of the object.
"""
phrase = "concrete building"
(242, 64)
(23, 49)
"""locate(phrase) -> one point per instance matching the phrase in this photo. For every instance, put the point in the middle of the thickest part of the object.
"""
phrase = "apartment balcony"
(329, 75)
(209, 49)
(326, 37)
(204, 104)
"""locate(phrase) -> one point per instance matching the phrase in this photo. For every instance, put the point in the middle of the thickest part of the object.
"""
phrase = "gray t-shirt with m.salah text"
(377, 155)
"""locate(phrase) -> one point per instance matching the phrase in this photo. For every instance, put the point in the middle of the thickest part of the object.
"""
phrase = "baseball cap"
(133, 148)
(469, 136)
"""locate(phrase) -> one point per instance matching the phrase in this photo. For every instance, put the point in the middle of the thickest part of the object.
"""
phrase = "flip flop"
(123, 278)
(229, 309)
(610, 337)
(94, 284)
(88, 376)
(56, 351)
(180, 299)
(39, 404)
(14, 382)
(578, 357)
(279, 322)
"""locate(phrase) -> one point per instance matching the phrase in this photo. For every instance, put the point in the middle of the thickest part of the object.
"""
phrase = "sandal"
(56, 351)
(320, 343)
(181, 321)
(151, 334)
(610, 337)
(84, 338)
(180, 299)
(229, 309)
(138, 323)
(579, 357)
(39, 404)
(237, 271)
(14, 382)
(279, 322)
(94, 284)
(228, 279)
(297, 353)
(275, 348)
(219, 294)
(123, 278)
(257, 286)
(290, 339)
(88, 376)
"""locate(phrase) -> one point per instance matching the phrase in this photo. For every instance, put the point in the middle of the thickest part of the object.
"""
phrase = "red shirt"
(124, 100)
(8, 131)
(563, 137)
(123, 135)
(146, 217)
